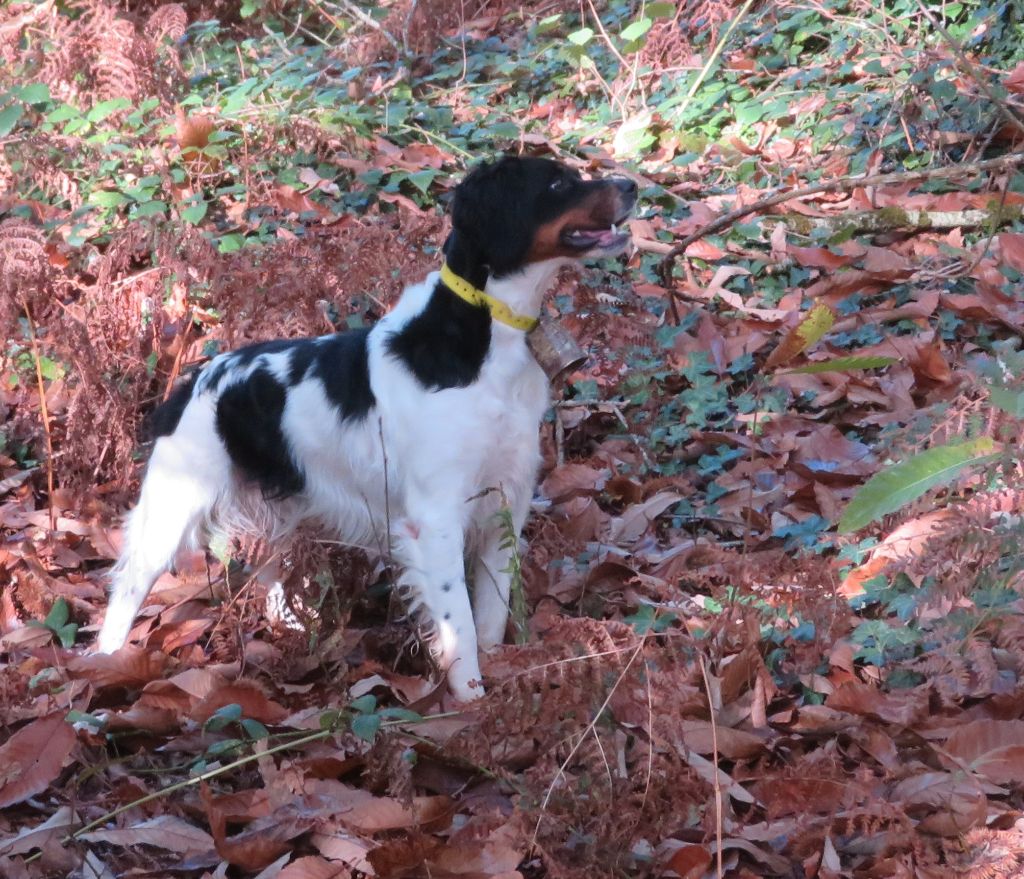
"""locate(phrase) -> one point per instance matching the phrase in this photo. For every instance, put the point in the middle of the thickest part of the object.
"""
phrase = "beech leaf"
(33, 757)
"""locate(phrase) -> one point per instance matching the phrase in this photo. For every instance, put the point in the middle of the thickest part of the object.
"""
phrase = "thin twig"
(188, 782)
(176, 366)
(43, 411)
(650, 743)
(714, 758)
(430, 135)
(983, 252)
(582, 738)
(839, 184)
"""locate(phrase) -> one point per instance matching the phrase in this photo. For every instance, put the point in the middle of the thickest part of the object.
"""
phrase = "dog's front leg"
(430, 543)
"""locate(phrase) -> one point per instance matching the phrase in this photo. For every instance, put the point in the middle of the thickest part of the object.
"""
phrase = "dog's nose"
(625, 185)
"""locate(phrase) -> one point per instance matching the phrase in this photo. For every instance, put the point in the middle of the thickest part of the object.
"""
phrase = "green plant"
(518, 611)
(364, 718)
(58, 622)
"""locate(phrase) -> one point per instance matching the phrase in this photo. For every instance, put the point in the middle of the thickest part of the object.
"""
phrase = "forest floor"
(719, 665)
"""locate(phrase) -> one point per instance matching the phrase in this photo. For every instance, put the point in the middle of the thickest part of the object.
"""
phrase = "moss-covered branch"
(896, 219)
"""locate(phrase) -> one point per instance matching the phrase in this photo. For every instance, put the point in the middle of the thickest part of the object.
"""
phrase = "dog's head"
(518, 211)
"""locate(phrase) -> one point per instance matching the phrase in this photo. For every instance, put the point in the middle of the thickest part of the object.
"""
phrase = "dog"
(411, 434)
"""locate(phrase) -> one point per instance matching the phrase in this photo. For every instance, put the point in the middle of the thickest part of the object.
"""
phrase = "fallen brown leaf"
(33, 757)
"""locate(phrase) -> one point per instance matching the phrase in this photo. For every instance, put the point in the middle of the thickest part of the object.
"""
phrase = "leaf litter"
(711, 679)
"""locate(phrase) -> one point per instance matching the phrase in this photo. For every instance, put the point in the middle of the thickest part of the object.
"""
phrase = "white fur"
(446, 454)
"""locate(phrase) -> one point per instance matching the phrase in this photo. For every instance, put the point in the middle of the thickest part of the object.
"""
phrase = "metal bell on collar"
(554, 348)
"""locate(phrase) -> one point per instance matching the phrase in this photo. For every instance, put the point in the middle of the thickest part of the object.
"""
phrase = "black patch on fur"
(244, 356)
(302, 355)
(164, 420)
(342, 363)
(446, 344)
(249, 423)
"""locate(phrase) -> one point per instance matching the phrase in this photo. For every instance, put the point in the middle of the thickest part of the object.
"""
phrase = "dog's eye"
(558, 184)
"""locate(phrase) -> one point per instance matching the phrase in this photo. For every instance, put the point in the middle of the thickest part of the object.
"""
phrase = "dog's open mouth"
(608, 238)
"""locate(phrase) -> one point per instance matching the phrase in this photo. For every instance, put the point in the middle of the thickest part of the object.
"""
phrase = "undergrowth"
(704, 665)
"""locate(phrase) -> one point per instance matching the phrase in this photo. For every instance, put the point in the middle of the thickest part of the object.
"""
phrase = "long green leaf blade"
(842, 364)
(898, 485)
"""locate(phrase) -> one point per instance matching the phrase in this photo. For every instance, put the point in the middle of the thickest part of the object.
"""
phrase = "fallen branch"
(839, 184)
(894, 219)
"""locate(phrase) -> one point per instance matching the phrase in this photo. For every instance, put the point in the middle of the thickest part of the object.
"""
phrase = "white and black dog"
(403, 430)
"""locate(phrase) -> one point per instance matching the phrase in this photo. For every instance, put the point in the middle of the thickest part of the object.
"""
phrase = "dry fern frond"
(122, 62)
(23, 268)
(22, 254)
(170, 22)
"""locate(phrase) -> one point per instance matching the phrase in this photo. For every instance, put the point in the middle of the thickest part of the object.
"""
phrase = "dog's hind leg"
(185, 478)
(430, 545)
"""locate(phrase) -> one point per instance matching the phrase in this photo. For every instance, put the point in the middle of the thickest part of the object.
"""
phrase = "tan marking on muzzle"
(597, 211)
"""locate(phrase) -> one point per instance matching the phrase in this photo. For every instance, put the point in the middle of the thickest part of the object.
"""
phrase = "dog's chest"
(509, 406)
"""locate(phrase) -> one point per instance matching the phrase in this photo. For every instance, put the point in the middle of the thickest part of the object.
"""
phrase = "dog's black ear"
(489, 215)
(469, 195)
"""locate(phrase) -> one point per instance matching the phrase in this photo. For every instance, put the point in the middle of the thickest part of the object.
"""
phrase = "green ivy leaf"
(365, 704)
(548, 23)
(51, 369)
(892, 488)
(1010, 401)
(399, 714)
(63, 113)
(503, 129)
(103, 109)
(254, 729)
(581, 37)
(226, 746)
(105, 199)
(330, 719)
(636, 30)
(58, 615)
(231, 242)
(194, 213)
(81, 717)
(66, 634)
(9, 117)
(366, 726)
(223, 716)
(35, 93)
(422, 179)
(150, 209)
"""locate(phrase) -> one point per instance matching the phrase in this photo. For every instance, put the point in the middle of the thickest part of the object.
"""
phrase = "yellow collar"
(499, 310)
